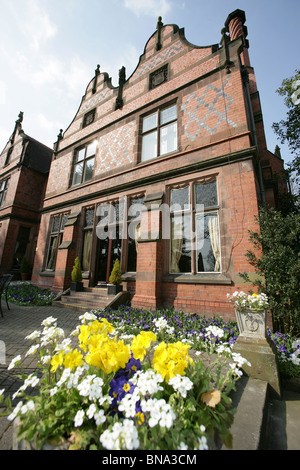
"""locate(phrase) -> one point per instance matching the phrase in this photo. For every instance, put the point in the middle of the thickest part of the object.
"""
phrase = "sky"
(49, 50)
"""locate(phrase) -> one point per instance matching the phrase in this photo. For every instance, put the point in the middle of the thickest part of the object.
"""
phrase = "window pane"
(77, 173)
(168, 138)
(150, 122)
(206, 193)
(55, 225)
(63, 222)
(149, 149)
(181, 253)
(180, 199)
(208, 244)
(51, 253)
(89, 169)
(91, 150)
(168, 114)
(80, 155)
(89, 218)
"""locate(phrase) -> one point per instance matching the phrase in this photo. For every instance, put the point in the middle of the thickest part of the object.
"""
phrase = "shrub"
(76, 274)
(116, 274)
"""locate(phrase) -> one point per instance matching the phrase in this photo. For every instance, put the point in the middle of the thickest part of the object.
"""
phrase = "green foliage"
(76, 274)
(25, 266)
(116, 274)
(25, 294)
(288, 130)
(278, 245)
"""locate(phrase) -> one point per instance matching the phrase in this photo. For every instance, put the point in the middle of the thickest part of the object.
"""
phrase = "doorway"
(108, 250)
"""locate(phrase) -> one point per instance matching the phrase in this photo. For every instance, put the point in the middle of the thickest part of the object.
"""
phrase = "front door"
(109, 250)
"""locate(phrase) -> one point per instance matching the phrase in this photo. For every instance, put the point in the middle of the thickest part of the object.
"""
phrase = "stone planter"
(113, 289)
(76, 286)
(254, 345)
(251, 323)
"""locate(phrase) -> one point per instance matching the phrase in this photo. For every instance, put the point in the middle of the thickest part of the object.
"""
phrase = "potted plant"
(76, 277)
(115, 279)
(250, 311)
(25, 269)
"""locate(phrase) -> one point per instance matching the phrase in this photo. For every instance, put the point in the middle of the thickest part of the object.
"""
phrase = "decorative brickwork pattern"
(58, 177)
(115, 149)
(158, 59)
(206, 111)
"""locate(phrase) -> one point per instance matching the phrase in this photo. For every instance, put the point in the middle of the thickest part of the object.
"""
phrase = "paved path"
(17, 323)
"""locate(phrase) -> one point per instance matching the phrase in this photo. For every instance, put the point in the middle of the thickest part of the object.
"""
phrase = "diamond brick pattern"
(204, 111)
(159, 59)
(115, 149)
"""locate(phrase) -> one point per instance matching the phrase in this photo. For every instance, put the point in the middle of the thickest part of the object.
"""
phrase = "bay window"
(195, 235)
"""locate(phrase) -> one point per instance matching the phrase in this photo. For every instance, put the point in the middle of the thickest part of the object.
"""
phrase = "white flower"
(29, 406)
(147, 382)
(91, 411)
(78, 420)
(202, 443)
(182, 446)
(32, 350)
(34, 335)
(53, 391)
(99, 417)
(160, 412)
(46, 359)
(14, 362)
(215, 331)
(2, 391)
(121, 436)
(16, 411)
(87, 317)
(181, 384)
(48, 321)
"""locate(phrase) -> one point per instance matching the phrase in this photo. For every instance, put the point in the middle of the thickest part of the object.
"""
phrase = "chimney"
(235, 26)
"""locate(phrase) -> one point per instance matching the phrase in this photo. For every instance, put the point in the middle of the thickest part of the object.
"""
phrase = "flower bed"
(25, 294)
(115, 389)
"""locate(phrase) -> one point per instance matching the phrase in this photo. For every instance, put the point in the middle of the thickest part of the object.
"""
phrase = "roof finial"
(159, 28)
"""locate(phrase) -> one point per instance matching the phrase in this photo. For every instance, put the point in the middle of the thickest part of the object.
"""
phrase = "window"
(89, 118)
(87, 238)
(55, 239)
(195, 237)
(84, 163)
(3, 191)
(159, 133)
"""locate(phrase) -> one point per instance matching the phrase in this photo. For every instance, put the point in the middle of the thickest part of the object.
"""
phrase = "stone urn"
(251, 323)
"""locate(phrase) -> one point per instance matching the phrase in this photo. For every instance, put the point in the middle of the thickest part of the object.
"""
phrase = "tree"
(288, 130)
(278, 242)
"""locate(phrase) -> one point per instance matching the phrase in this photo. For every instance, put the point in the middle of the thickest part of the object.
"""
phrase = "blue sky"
(49, 50)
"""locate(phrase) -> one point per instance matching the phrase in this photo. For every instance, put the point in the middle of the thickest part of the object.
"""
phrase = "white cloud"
(154, 8)
(2, 92)
(33, 22)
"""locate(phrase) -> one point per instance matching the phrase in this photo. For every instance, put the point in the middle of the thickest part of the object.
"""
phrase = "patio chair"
(5, 280)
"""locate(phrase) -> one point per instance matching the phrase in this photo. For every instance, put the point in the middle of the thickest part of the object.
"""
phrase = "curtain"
(52, 252)
(87, 248)
(176, 244)
(213, 227)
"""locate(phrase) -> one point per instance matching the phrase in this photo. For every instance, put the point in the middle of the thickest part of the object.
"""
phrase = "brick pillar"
(66, 254)
(148, 292)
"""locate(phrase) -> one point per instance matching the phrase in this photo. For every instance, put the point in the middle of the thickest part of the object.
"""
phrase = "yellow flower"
(57, 361)
(171, 359)
(108, 354)
(73, 359)
(141, 343)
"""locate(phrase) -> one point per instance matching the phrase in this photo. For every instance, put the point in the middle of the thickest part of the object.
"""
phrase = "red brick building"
(24, 168)
(181, 139)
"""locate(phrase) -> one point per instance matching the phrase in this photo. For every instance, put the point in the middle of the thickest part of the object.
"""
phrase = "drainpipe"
(235, 26)
(245, 77)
